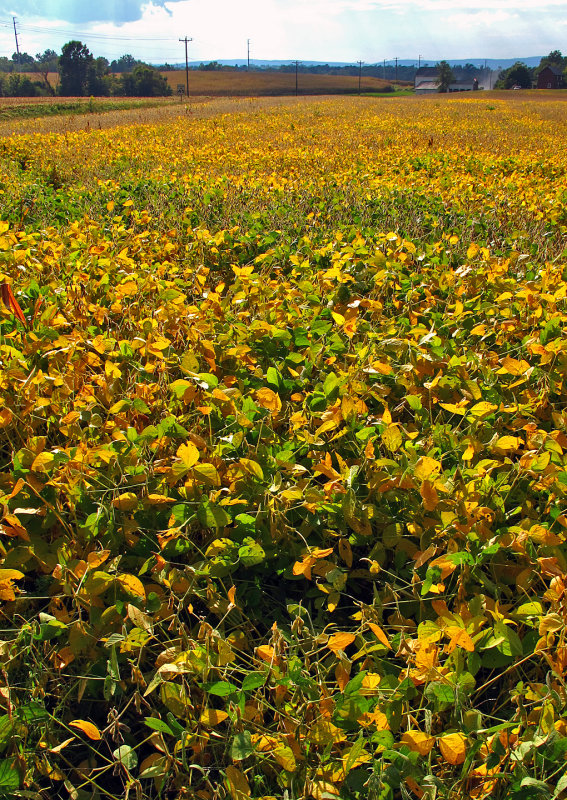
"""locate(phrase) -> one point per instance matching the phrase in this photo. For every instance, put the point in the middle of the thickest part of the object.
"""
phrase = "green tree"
(23, 61)
(144, 81)
(45, 63)
(445, 76)
(18, 85)
(74, 63)
(517, 75)
(99, 80)
(554, 59)
(125, 63)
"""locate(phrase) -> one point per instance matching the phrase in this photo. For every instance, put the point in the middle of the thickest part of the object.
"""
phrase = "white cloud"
(324, 30)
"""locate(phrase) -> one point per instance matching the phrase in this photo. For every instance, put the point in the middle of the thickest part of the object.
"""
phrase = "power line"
(91, 35)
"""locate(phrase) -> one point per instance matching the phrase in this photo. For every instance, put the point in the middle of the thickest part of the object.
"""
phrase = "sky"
(314, 30)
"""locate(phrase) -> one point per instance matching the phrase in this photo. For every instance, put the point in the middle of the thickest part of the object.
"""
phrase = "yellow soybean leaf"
(459, 638)
(370, 682)
(127, 501)
(379, 634)
(445, 565)
(88, 728)
(323, 790)
(267, 398)
(461, 410)
(42, 462)
(508, 443)
(453, 747)
(418, 742)
(127, 289)
(345, 552)
(188, 454)
(340, 641)
(95, 559)
(544, 536)
(483, 409)
(514, 367)
(429, 495)
(213, 716)
(252, 468)
(426, 468)
(323, 732)
(392, 437)
(6, 586)
(237, 783)
(131, 585)
(285, 757)
(10, 574)
(342, 675)
(267, 653)
(158, 500)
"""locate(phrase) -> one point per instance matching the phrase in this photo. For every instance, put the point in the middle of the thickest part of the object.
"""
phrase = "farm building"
(550, 77)
(425, 82)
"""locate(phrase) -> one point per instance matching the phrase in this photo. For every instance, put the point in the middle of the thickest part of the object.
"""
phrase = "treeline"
(387, 72)
(80, 75)
(524, 77)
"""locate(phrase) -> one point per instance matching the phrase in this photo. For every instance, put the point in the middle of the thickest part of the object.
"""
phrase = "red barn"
(550, 77)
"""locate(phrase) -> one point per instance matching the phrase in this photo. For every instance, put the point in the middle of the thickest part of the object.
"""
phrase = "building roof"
(429, 86)
(555, 70)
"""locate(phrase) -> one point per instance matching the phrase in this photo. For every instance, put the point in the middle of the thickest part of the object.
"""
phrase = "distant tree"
(125, 63)
(445, 76)
(99, 80)
(517, 75)
(6, 64)
(212, 66)
(18, 85)
(555, 58)
(144, 81)
(45, 63)
(23, 60)
(74, 63)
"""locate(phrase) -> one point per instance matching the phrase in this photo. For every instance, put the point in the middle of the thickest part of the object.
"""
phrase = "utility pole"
(360, 63)
(17, 45)
(384, 75)
(186, 40)
(419, 61)
(396, 59)
(248, 43)
(296, 71)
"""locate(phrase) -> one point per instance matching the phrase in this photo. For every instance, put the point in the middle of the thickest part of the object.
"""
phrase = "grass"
(49, 107)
